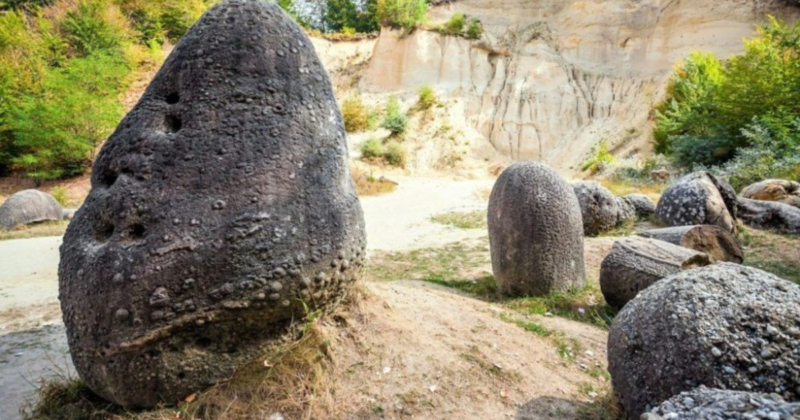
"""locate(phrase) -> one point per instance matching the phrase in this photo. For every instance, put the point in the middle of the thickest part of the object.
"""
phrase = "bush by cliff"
(743, 113)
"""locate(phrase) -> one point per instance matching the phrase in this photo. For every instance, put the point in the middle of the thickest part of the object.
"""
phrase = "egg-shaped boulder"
(221, 211)
(535, 232)
(699, 198)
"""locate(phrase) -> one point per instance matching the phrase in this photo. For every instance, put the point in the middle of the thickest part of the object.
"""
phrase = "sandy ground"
(435, 323)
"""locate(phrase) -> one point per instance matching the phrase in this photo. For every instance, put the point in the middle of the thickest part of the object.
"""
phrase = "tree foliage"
(404, 14)
(721, 113)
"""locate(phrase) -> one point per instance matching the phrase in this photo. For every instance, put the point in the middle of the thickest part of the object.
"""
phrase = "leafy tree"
(405, 14)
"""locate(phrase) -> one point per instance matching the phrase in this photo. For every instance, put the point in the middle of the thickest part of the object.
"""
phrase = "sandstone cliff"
(550, 79)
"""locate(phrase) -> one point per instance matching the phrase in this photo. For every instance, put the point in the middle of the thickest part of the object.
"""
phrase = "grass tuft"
(774, 253)
(463, 220)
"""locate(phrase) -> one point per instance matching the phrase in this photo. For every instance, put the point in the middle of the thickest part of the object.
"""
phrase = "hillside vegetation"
(65, 66)
(740, 116)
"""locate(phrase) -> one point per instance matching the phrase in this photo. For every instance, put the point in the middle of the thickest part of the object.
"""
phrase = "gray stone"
(710, 239)
(642, 204)
(769, 215)
(699, 199)
(716, 404)
(231, 169)
(635, 264)
(662, 343)
(27, 207)
(535, 232)
(600, 209)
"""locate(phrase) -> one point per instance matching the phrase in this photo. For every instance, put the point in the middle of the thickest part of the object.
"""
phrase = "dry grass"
(603, 404)
(772, 252)
(298, 381)
(623, 188)
(463, 219)
(367, 184)
(38, 230)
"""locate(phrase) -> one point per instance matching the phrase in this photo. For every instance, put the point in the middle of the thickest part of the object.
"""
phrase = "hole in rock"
(103, 231)
(136, 231)
(173, 98)
(181, 375)
(172, 124)
(108, 178)
(203, 342)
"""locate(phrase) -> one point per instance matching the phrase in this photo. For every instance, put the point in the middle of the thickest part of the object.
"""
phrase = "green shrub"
(474, 29)
(355, 115)
(599, 160)
(395, 154)
(427, 97)
(89, 30)
(455, 25)
(59, 129)
(709, 106)
(372, 149)
(405, 14)
(395, 120)
(60, 194)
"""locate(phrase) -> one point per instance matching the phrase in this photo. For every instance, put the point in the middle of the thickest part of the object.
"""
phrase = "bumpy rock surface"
(29, 206)
(219, 208)
(769, 215)
(710, 239)
(699, 199)
(635, 264)
(716, 404)
(723, 326)
(781, 190)
(642, 204)
(535, 232)
(601, 210)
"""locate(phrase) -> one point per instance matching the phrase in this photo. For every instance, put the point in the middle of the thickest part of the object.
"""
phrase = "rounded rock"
(535, 232)
(27, 207)
(642, 204)
(600, 209)
(706, 403)
(699, 199)
(663, 342)
(139, 188)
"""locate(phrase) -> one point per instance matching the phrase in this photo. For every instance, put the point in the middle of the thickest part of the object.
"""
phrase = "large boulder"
(710, 239)
(711, 404)
(29, 206)
(769, 215)
(723, 326)
(780, 190)
(221, 211)
(600, 209)
(642, 204)
(535, 232)
(699, 199)
(635, 264)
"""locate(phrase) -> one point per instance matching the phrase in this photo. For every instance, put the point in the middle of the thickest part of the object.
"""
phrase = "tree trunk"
(769, 215)
(709, 239)
(635, 264)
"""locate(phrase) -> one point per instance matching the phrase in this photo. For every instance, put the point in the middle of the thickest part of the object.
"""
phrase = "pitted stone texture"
(780, 190)
(635, 264)
(535, 232)
(723, 326)
(642, 204)
(600, 209)
(699, 199)
(29, 206)
(220, 207)
(770, 215)
(716, 404)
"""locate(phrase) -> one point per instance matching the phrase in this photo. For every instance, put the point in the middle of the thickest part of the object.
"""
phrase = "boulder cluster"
(698, 335)
(221, 211)
(602, 211)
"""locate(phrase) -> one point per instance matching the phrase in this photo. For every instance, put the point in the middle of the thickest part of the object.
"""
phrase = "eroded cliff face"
(550, 79)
